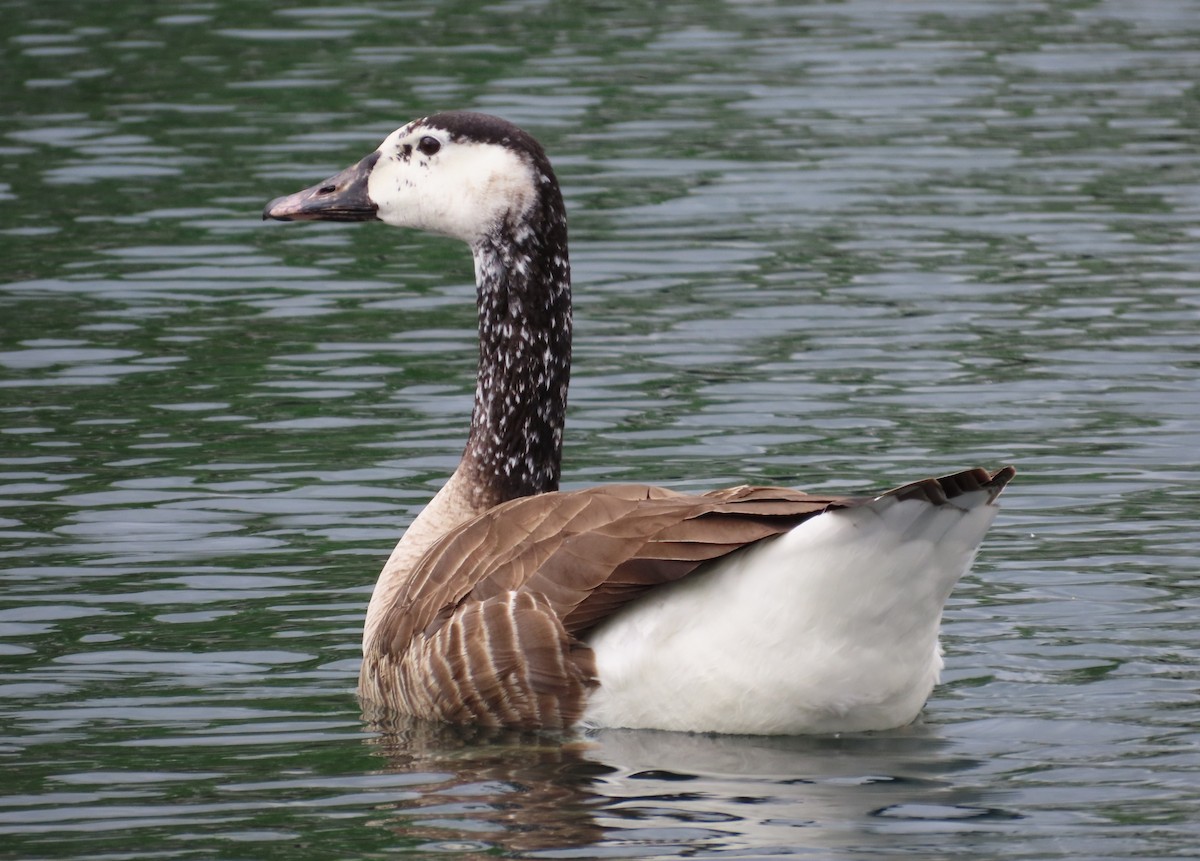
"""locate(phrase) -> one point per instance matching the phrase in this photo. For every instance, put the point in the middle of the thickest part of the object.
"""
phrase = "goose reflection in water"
(622, 791)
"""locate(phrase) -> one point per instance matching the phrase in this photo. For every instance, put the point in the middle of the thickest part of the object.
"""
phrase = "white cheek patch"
(463, 191)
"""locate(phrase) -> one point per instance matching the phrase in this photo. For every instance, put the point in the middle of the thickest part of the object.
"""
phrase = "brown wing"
(567, 545)
(486, 628)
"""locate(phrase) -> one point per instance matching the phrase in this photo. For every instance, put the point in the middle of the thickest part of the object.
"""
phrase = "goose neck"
(524, 306)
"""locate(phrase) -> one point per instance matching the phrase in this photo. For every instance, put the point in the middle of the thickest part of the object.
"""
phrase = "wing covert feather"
(568, 546)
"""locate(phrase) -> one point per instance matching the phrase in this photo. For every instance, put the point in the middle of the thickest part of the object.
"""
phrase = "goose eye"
(429, 146)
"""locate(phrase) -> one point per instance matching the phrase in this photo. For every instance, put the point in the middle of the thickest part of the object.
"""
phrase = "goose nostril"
(327, 189)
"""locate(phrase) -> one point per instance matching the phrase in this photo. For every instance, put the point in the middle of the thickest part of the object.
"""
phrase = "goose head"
(482, 180)
(459, 174)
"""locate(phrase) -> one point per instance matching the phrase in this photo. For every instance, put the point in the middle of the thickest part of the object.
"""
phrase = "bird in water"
(508, 602)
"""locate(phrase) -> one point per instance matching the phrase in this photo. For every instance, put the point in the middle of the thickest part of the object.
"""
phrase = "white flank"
(832, 627)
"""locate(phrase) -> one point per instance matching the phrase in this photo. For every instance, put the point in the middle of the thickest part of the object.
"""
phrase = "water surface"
(837, 246)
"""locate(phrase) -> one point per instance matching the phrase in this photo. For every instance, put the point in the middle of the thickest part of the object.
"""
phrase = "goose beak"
(342, 197)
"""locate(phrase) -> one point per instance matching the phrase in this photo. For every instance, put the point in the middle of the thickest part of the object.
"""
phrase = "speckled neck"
(523, 277)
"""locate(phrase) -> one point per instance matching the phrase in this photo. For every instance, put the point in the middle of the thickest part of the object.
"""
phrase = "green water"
(833, 245)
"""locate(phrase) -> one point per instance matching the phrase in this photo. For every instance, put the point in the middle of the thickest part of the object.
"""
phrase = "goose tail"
(960, 489)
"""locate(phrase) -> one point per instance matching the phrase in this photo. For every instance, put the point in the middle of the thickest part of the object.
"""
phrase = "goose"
(510, 603)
